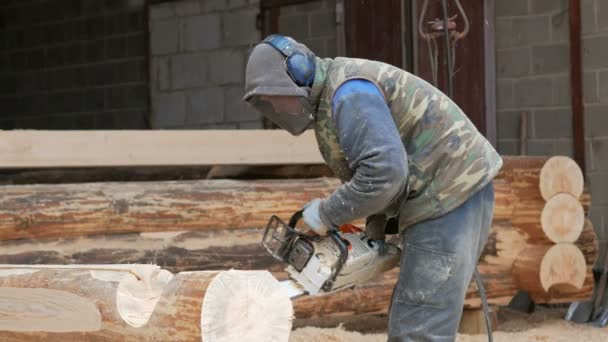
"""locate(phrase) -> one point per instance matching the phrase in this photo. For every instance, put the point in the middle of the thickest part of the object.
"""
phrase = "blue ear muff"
(300, 66)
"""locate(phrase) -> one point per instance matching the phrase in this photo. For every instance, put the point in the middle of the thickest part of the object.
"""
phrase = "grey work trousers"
(437, 263)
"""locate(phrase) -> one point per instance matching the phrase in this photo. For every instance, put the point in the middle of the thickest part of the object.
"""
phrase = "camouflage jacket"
(448, 159)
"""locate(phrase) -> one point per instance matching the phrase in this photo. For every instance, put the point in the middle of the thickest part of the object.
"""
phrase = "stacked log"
(216, 224)
(140, 302)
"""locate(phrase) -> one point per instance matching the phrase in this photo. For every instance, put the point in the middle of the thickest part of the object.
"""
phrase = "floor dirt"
(543, 325)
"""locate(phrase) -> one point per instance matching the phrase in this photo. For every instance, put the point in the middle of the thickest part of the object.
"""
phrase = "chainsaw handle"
(295, 218)
(335, 237)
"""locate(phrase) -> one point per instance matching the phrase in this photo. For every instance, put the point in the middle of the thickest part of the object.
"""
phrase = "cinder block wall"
(72, 64)
(199, 51)
(313, 24)
(532, 42)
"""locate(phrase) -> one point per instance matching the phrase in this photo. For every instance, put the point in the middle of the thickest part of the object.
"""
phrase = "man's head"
(279, 77)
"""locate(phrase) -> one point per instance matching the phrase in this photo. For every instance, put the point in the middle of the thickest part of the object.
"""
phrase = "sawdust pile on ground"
(514, 327)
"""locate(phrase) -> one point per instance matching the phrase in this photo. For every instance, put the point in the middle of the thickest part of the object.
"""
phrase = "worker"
(410, 161)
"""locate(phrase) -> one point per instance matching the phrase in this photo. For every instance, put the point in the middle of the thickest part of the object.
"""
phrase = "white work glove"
(312, 217)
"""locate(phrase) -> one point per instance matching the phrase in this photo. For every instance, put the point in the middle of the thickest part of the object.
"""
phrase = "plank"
(52, 149)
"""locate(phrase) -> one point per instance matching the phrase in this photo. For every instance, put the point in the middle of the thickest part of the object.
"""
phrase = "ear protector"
(300, 66)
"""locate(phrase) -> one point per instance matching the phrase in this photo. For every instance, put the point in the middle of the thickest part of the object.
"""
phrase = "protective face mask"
(295, 122)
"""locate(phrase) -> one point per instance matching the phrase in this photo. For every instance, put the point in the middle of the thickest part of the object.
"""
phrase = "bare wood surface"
(176, 308)
(563, 218)
(37, 149)
(539, 268)
(69, 210)
(561, 174)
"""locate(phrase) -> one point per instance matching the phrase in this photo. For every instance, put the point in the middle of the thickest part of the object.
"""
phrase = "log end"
(563, 218)
(563, 265)
(561, 174)
(246, 303)
(136, 297)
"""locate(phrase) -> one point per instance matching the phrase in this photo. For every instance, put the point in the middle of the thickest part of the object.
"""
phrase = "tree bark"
(115, 305)
(70, 210)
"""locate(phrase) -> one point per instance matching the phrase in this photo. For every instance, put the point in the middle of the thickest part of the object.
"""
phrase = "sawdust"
(543, 325)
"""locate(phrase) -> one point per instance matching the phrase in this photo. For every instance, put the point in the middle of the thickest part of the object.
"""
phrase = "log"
(223, 249)
(537, 269)
(174, 251)
(70, 210)
(561, 175)
(563, 218)
(140, 302)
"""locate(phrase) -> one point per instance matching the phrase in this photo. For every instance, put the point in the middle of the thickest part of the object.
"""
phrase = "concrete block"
(232, 4)
(599, 153)
(136, 22)
(188, 71)
(502, 32)
(507, 124)
(564, 148)
(116, 23)
(35, 59)
(205, 106)
(589, 164)
(116, 47)
(163, 10)
(227, 66)
(591, 86)
(93, 26)
(508, 147)
(561, 90)
(598, 186)
(163, 37)
(135, 96)
(511, 8)
(17, 60)
(548, 59)
(331, 48)
(213, 5)
(533, 92)
(530, 30)
(513, 62)
(548, 6)
(599, 217)
(161, 75)
(603, 86)
(602, 13)
(114, 5)
(187, 7)
(200, 32)
(552, 124)
(114, 98)
(218, 126)
(94, 50)
(595, 52)
(130, 119)
(237, 110)
(94, 99)
(136, 45)
(7, 124)
(295, 26)
(316, 45)
(306, 7)
(589, 16)
(323, 23)
(504, 94)
(170, 110)
(251, 125)
(596, 121)
(560, 28)
(239, 27)
(540, 148)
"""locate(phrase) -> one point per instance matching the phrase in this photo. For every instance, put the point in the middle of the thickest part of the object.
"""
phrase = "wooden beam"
(38, 149)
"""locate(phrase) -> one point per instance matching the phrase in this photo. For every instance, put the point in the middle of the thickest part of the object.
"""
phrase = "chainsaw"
(318, 264)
